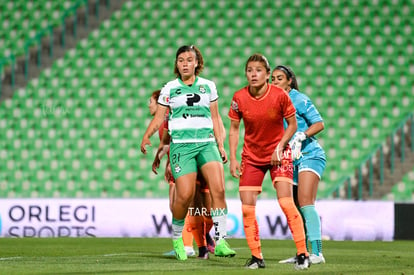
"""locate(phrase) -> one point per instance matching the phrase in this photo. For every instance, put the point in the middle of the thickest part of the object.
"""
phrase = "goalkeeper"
(309, 159)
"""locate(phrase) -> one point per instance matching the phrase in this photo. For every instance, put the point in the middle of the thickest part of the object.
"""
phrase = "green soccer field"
(136, 255)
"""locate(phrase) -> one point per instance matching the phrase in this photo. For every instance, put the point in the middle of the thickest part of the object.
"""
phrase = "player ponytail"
(290, 75)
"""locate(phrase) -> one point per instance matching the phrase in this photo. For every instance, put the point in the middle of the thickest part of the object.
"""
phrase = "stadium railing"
(9, 62)
(376, 161)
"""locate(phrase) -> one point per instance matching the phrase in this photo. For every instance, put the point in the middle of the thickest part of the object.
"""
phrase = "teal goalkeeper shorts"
(312, 164)
(186, 158)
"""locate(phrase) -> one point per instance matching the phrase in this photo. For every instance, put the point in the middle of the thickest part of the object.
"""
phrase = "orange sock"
(187, 235)
(295, 223)
(208, 223)
(251, 230)
(197, 228)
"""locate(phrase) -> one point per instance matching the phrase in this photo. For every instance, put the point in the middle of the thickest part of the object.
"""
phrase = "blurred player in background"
(309, 159)
(196, 143)
(263, 107)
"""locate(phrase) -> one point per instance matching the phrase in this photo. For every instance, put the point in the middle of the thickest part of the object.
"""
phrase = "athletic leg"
(307, 195)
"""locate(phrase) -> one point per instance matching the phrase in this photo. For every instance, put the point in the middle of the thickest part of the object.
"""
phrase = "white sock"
(220, 226)
(177, 228)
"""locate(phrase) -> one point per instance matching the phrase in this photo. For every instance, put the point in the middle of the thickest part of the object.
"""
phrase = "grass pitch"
(142, 255)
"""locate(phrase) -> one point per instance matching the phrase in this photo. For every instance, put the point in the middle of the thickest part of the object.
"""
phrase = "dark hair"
(198, 55)
(156, 94)
(289, 75)
(259, 58)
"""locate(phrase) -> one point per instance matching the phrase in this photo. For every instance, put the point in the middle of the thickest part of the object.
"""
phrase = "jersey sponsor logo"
(234, 106)
(187, 115)
(192, 98)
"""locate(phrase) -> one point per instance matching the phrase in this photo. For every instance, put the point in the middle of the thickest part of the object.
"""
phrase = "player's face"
(152, 106)
(256, 74)
(186, 64)
(279, 79)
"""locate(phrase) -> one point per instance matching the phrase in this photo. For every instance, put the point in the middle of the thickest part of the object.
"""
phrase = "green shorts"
(186, 158)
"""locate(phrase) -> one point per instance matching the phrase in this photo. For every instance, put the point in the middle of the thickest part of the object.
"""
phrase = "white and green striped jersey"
(190, 117)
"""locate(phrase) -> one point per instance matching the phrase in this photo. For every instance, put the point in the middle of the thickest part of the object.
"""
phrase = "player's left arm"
(223, 129)
(217, 128)
(290, 130)
(315, 129)
(313, 118)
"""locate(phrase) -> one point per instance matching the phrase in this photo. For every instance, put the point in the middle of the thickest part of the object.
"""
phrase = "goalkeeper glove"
(296, 145)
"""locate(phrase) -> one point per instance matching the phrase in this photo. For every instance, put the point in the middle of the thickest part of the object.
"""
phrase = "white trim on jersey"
(182, 124)
(196, 140)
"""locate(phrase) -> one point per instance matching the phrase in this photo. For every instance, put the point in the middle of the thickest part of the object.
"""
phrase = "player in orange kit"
(263, 108)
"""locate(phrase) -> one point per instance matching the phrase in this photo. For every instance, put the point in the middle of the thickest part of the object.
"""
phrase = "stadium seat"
(403, 191)
(24, 19)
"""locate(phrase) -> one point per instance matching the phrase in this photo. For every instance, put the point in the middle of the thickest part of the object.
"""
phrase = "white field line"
(97, 255)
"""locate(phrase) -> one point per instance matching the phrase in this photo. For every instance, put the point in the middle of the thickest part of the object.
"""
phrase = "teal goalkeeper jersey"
(306, 115)
(190, 117)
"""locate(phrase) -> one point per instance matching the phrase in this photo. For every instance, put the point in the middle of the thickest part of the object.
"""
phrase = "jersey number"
(175, 158)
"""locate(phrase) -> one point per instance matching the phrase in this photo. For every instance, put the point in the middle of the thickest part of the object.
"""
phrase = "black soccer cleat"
(255, 263)
(302, 262)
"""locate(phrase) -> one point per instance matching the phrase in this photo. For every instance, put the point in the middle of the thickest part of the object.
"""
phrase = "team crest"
(234, 106)
(202, 89)
(177, 168)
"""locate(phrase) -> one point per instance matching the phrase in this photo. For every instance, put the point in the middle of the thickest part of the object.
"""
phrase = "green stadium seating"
(22, 20)
(403, 191)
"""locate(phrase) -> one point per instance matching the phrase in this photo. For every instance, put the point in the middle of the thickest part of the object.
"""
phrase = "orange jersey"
(263, 121)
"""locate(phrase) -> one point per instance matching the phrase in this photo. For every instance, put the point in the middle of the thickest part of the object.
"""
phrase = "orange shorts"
(253, 175)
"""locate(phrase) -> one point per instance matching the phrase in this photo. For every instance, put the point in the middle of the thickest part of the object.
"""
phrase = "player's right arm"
(153, 126)
(233, 143)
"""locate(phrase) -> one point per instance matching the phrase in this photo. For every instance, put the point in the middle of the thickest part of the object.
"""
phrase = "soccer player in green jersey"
(196, 144)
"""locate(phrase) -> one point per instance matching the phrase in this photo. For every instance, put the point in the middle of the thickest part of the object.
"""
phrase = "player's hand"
(223, 155)
(235, 169)
(168, 173)
(296, 145)
(163, 151)
(277, 155)
(144, 143)
(156, 164)
(158, 156)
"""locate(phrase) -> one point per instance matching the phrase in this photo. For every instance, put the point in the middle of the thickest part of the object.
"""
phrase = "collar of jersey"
(192, 85)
